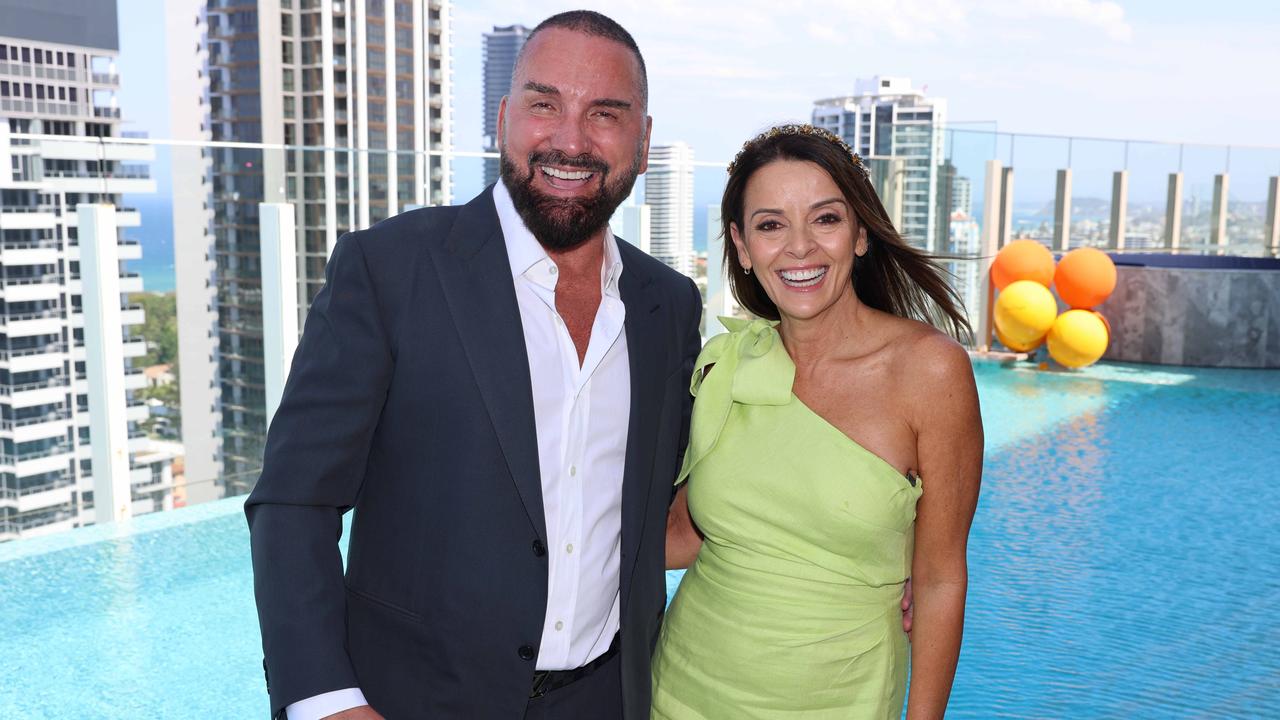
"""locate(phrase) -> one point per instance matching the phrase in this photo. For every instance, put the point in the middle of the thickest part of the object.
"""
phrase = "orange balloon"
(1085, 277)
(1022, 260)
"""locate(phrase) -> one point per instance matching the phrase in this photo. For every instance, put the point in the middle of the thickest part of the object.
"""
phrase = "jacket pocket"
(390, 607)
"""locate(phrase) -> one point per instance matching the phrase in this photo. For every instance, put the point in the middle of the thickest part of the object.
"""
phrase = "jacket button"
(539, 549)
(526, 652)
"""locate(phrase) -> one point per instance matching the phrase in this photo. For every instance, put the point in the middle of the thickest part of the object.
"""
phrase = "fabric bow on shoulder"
(752, 367)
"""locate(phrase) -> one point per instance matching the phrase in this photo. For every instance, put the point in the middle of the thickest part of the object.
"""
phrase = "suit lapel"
(647, 359)
(476, 277)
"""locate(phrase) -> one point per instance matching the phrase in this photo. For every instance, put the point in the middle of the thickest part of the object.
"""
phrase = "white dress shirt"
(581, 413)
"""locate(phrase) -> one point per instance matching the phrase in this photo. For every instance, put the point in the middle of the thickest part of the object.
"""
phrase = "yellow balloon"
(1024, 312)
(1016, 346)
(1078, 338)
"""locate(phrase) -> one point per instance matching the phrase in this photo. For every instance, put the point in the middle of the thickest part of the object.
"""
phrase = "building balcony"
(126, 249)
(115, 183)
(24, 218)
(110, 149)
(58, 492)
(33, 324)
(31, 288)
(52, 391)
(38, 357)
(19, 257)
(50, 425)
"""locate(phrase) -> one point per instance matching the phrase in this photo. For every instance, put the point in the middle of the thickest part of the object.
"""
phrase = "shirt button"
(559, 625)
(573, 470)
(553, 270)
(569, 548)
(539, 549)
(526, 652)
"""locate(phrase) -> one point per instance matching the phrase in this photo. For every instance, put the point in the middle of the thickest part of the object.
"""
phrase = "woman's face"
(799, 237)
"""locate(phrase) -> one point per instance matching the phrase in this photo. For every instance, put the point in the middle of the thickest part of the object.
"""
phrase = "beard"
(566, 223)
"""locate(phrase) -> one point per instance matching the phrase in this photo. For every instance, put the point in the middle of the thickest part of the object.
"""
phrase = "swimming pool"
(1124, 563)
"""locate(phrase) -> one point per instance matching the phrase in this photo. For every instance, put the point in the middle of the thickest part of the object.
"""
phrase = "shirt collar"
(524, 251)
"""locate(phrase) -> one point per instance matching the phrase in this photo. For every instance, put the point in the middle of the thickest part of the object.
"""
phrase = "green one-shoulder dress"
(792, 608)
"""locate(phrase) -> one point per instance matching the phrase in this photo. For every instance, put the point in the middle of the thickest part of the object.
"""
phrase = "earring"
(746, 270)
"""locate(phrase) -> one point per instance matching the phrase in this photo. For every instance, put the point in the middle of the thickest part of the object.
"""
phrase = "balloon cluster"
(1026, 314)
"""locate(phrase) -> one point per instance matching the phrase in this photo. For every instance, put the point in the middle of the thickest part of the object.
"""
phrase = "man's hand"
(907, 607)
(364, 712)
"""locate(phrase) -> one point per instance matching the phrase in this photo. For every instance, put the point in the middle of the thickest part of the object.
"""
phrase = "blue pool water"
(1124, 561)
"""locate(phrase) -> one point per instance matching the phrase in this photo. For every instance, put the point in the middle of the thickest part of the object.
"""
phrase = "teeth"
(566, 174)
(803, 278)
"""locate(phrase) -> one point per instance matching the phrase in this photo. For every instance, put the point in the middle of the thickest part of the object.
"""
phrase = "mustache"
(585, 161)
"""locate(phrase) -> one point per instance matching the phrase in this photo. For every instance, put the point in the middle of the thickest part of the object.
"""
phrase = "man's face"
(574, 135)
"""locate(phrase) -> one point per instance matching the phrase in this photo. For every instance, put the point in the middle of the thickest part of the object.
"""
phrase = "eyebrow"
(543, 89)
(814, 206)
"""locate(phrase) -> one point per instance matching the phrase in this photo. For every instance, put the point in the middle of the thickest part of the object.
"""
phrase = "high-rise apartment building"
(58, 81)
(668, 191)
(887, 119)
(500, 50)
(364, 82)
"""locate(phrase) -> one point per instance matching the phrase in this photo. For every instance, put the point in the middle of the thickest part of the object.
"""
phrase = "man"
(500, 391)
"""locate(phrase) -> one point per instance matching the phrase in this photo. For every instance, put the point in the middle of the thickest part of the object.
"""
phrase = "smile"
(803, 277)
(565, 174)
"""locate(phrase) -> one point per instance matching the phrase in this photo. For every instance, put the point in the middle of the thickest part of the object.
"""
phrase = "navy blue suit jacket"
(409, 400)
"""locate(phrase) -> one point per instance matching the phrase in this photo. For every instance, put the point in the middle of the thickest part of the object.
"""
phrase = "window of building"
(4, 52)
(4, 86)
(39, 56)
(39, 92)
(26, 54)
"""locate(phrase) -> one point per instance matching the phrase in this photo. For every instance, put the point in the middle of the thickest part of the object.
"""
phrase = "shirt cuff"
(326, 704)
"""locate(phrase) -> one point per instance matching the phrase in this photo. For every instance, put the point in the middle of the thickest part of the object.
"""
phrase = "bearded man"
(499, 390)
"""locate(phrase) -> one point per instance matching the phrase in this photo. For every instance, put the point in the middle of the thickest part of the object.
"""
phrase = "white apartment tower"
(668, 191)
(58, 87)
(886, 119)
(367, 80)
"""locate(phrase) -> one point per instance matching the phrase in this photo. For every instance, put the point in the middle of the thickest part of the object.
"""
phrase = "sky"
(722, 70)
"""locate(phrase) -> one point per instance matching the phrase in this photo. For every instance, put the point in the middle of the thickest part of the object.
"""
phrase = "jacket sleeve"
(313, 468)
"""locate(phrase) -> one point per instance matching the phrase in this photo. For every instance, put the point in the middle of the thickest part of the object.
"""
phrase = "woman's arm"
(683, 539)
(949, 449)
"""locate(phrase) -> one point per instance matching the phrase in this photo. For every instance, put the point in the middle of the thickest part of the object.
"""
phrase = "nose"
(800, 242)
(570, 137)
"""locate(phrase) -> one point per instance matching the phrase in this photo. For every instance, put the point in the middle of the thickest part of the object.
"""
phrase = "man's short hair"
(589, 22)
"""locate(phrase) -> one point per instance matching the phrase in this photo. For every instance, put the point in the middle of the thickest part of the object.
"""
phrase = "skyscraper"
(668, 190)
(370, 78)
(500, 50)
(58, 78)
(886, 119)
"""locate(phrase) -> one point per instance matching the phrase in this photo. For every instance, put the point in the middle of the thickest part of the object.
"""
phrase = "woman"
(833, 453)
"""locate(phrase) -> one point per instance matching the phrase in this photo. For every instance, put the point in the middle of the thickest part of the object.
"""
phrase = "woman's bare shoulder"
(926, 354)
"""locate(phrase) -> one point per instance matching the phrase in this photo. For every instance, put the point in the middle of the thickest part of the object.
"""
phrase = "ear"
(860, 245)
(740, 245)
(502, 117)
(644, 158)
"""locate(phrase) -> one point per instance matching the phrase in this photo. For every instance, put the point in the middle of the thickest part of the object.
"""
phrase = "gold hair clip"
(800, 129)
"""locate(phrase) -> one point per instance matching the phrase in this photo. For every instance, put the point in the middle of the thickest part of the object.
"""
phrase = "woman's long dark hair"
(891, 276)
